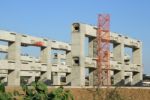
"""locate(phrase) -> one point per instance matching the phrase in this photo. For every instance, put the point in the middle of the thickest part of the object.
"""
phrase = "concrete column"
(128, 80)
(14, 49)
(92, 77)
(68, 79)
(137, 55)
(137, 59)
(68, 58)
(118, 53)
(56, 79)
(93, 54)
(68, 63)
(45, 58)
(136, 78)
(78, 57)
(91, 47)
(31, 79)
(118, 77)
(59, 59)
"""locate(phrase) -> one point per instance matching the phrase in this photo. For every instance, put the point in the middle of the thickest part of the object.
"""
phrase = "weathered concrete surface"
(71, 61)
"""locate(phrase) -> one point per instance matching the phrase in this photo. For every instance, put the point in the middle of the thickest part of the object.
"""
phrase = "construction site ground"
(88, 93)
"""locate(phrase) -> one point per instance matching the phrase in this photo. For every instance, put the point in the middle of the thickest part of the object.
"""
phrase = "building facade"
(62, 63)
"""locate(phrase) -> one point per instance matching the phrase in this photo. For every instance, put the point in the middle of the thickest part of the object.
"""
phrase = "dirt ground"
(101, 94)
(125, 93)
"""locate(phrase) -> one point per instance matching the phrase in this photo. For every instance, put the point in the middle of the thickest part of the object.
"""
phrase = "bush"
(61, 94)
(37, 91)
(3, 94)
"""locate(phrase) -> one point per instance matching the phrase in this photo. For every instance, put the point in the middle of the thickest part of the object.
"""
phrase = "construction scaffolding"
(103, 49)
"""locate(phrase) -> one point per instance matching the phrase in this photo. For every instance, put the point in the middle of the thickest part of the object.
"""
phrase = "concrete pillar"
(68, 79)
(137, 55)
(118, 77)
(92, 77)
(137, 59)
(31, 79)
(45, 58)
(128, 80)
(59, 59)
(56, 79)
(91, 47)
(118, 53)
(136, 78)
(14, 49)
(68, 63)
(78, 57)
(68, 58)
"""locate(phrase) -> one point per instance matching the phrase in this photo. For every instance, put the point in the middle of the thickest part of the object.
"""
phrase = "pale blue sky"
(53, 18)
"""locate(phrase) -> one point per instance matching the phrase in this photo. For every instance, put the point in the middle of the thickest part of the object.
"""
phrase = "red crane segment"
(103, 49)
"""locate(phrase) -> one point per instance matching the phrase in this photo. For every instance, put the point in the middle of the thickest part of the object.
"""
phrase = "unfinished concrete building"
(62, 63)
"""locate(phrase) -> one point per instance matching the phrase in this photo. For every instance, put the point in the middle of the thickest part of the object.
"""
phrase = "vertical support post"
(137, 55)
(59, 59)
(92, 54)
(128, 79)
(92, 77)
(14, 54)
(31, 79)
(78, 65)
(45, 58)
(137, 59)
(56, 78)
(136, 78)
(68, 63)
(118, 53)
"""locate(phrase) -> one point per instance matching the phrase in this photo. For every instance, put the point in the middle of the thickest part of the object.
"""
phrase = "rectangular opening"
(3, 50)
(111, 51)
(76, 27)
(76, 61)
(86, 47)
(30, 53)
(128, 58)
(57, 57)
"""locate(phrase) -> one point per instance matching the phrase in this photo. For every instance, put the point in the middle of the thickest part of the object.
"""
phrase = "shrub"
(3, 94)
(37, 91)
(60, 94)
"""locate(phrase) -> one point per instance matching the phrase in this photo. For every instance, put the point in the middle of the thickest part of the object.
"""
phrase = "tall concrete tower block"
(78, 63)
